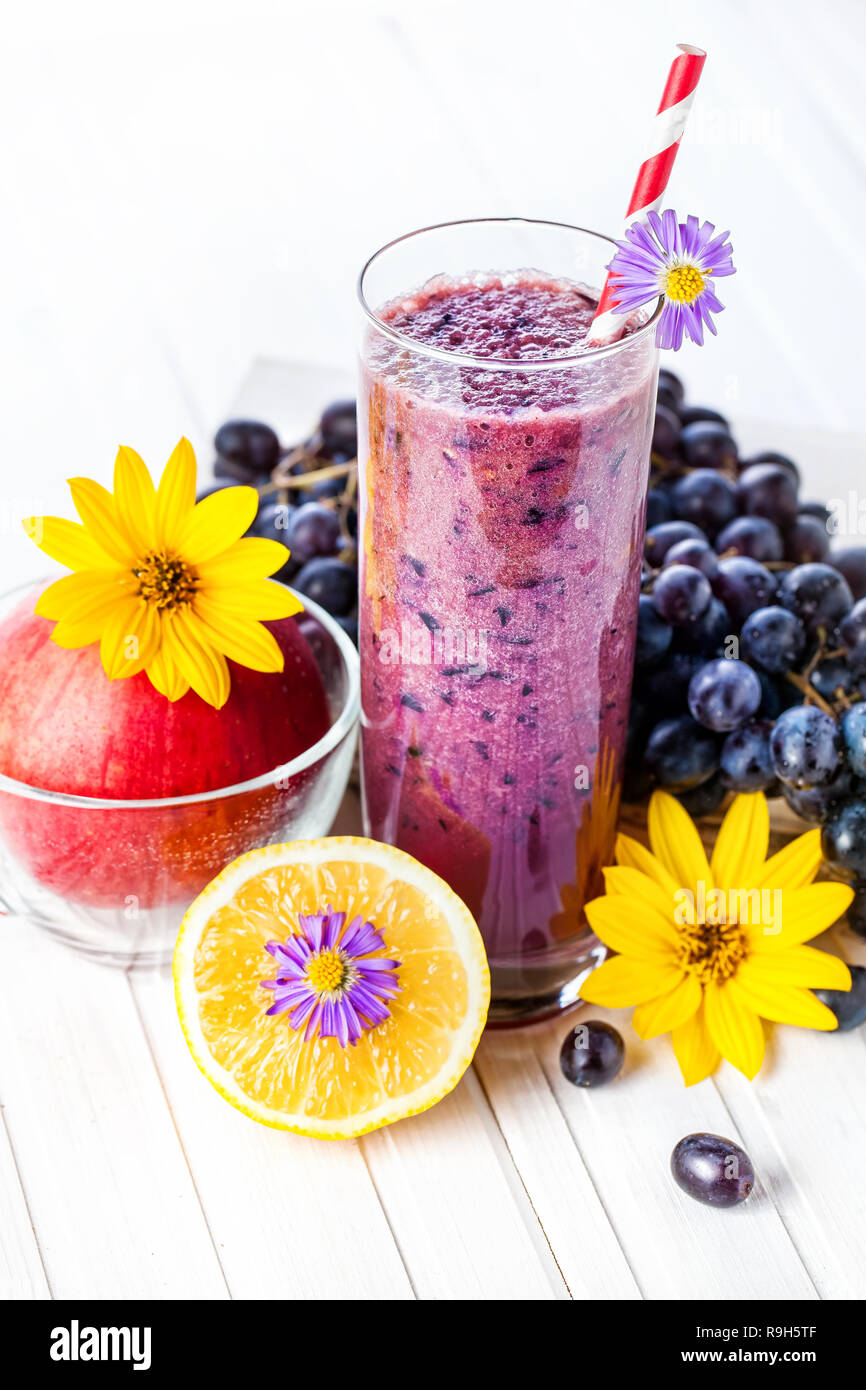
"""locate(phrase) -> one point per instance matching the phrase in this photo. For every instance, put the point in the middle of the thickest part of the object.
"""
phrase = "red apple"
(65, 727)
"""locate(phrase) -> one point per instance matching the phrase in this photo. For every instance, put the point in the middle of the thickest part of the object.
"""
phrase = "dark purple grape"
(768, 489)
(660, 539)
(328, 487)
(753, 536)
(806, 745)
(745, 762)
(680, 754)
(774, 638)
(852, 631)
(352, 522)
(249, 447)
(843, 839)
(592, 1054)
(744, 585)
(704, 799)
(819, 510)
(272, 520)
(707, 634)
(331, 583)
(339, 429)
(350, 627)
(815, 804)
(707, 499)
(780, 460)
(849, 1005)
(854, 737)
(856, 919)
(666, 432)
(313, 530)
(834, 679)
(851, 563)
(713, 1170)
(708, 444)
(698, 554)
(681, 594)
(817, 594)
(691, 414)
(233, 473)
(654, 634)
(806, 540)
(665, 687)
(671, 392)
(658, 508)
(724, 694)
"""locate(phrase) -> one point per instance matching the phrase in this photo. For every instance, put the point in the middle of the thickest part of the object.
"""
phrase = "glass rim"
(495, 363)
(334, 736)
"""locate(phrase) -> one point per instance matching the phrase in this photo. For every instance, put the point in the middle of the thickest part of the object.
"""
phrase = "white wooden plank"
(110, 1196)
(557, 1183)
(625, 1132)
(291, 1218)
(22, 1274)
(463, 1230)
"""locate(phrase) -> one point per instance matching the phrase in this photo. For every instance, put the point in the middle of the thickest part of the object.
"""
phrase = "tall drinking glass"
(502, 488)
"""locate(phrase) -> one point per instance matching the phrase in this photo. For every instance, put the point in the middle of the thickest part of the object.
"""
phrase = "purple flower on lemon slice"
(679, 261)
(333, 980)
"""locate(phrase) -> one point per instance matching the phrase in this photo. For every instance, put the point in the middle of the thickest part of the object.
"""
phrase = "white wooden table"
(195, 187)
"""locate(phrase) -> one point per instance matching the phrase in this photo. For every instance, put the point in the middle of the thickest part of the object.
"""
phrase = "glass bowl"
(130, 869)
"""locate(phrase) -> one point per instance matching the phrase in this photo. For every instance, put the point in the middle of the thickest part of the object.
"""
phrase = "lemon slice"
(352, 937)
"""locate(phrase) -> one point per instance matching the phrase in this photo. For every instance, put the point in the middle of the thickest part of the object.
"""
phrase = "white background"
(187, 187)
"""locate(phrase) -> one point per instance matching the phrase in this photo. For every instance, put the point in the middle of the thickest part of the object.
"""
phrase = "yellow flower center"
(326, 971)
(712, 953)
(684, 283)
(165, 580)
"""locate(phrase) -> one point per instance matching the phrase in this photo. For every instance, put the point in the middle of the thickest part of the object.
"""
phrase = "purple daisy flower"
(333, 980)
(677, 260)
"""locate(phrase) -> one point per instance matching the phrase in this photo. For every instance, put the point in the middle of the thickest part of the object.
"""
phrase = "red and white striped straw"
(655, 171)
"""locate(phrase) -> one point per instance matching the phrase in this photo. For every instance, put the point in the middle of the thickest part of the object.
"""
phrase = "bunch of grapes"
(307, 500)
(751, 639)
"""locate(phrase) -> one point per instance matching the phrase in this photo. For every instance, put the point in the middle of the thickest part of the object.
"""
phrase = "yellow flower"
(706, 950)
(164, 584)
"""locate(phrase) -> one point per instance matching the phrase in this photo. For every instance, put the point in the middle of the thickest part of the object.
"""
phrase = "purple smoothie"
(502, 516)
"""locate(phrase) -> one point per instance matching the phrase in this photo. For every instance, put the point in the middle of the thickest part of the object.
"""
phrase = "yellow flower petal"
(216, 523)
(735, 1029)
(741, 842)
(68, 543)
(135, 498)
(805, 912)
(635, 929)
(80, 596)
(781, 1003)
(165, 677)
(633, 855)
(623, 881)
(676, 842)
(242, 639)
(119, 644)
(625, 980)
(264, 600)
(249, 559)
(694, 1049)
(668, 1011)
(794, 866)
(202, 664)
(799, 965)
(175, 497)
(142, 641)
(95, 506)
